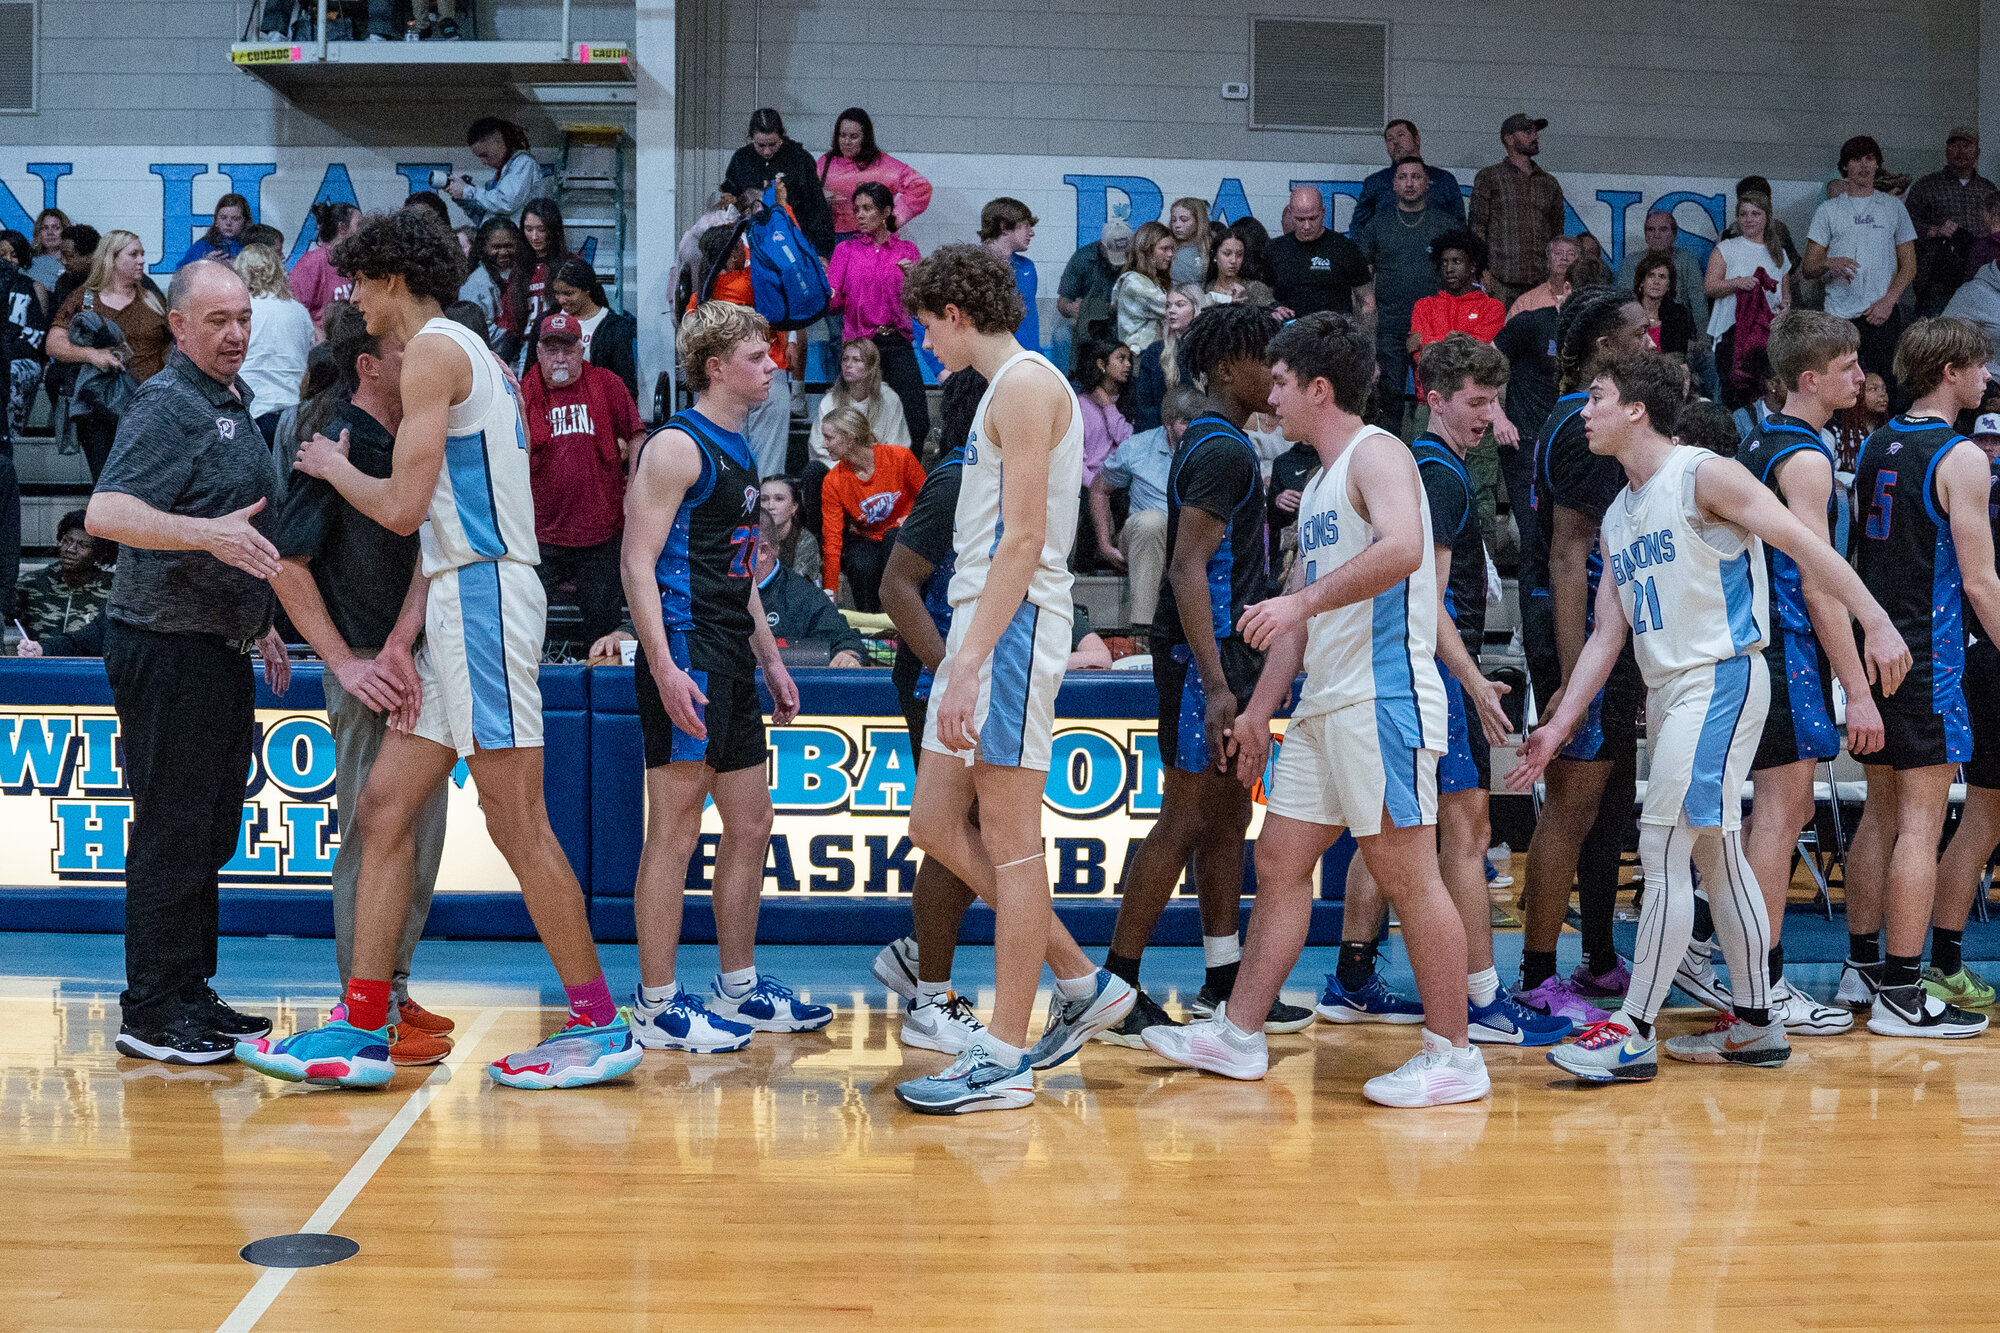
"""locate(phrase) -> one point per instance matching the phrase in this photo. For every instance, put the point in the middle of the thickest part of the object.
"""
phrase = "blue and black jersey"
(1455, 523)
(1770, 443)
(706, 569)
(927, 532)
(1216, 469)
(1904, 552)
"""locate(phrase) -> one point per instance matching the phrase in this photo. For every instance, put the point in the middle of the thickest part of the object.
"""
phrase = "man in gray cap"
(1084, 293)
(1516, 208)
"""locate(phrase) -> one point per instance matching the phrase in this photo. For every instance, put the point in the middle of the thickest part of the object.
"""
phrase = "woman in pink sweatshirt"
(853, 161)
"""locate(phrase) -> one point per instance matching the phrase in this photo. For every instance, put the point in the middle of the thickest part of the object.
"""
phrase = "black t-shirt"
(927, 532)
(1289, 472)
(361, 568)
(1455, 523)
(1317, 275)
(1215, 469)
(1529, 343)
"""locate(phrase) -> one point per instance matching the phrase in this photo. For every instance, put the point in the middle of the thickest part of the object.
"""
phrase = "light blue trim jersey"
(483, 507)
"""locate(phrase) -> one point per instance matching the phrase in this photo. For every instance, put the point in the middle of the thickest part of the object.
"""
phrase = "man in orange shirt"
(1462, 306)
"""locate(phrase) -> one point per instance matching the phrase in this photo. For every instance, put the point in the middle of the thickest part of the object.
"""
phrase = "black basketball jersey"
(1216, 470)
(1455, 523)
(706, 569)
(1770, 442)
(1904, 553)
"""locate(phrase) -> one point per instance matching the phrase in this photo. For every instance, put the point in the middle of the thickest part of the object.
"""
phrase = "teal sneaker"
(334, 1055)
(975, 1081)
(576, 1057)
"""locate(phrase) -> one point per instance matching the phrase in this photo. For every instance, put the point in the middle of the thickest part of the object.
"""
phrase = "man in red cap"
(582, 427)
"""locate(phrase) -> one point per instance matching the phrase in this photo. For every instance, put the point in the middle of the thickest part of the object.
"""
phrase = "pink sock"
(592, 1002)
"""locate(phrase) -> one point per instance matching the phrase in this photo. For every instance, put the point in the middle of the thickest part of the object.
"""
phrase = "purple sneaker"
(1558, 998)
(1610, 985)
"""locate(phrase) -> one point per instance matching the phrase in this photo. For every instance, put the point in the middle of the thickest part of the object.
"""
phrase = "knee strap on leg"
(1009, 865)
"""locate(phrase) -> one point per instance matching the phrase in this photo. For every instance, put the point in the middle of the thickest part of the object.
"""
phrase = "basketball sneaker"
(237, 1025)
(414, 1046)
(1372, 1003)
(1282, 1018)
(577, 1056)
(1697, 980)
(896, 966)
(1912, 1011)
(1610, 985)
(1437, 1075)
(1214, 1045)
(410, 1014)
(1806, 1017)
(1074, 1022)
(1146, 1013)
(770, 1006)
(1964, 988)
(1609, 1052)
(1558, 998)
(1508, 1022)
(1858, 984)
(335, 1054)
(975, 1081)
(682, 1022)
(186, 1039)
(1734, 1042)
(941, 1023)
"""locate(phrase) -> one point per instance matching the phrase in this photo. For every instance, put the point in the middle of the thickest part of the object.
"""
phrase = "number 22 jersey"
(706, 568)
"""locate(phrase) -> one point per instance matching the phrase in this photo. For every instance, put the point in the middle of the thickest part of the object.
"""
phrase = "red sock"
(367, 1003)
(592, 1002)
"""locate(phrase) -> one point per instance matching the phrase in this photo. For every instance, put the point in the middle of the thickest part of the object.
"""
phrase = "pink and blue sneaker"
(334, 1055)
(576, 1057)
(1559, 998)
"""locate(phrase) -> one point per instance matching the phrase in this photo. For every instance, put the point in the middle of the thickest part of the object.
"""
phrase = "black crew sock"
(1864, 948)
(1776, 962)
(1901, 971)
(1704, 921)
(1645, 1029)
(1537, 966)
(1759, 1017)
(1357, 964)
(1120, 966)
(1947, 955)
(1221, 981)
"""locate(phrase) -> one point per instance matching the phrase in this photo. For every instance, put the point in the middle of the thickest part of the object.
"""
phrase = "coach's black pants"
(185, 712)
(595, 574)
(905, 379)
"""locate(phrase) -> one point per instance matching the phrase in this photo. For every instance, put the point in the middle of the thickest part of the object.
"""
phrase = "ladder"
(590, 188)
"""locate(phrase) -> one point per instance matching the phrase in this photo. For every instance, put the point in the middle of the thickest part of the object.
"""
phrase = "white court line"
(253, 1305)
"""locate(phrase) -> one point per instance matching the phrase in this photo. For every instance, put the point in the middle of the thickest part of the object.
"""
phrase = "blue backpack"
(787, 281)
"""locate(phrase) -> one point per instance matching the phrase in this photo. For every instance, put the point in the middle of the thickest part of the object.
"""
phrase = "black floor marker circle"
(306, 1250)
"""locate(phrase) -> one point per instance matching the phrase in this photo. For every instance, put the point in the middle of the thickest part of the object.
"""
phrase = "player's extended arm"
(1964, 477)
(1483, 693)
(1725, 490)
(1282, 661)
(1593, 668)
(436, 374)
(1570, 536)
(668, 465)
(902, 592)
(1198, 538)
(1807, 481)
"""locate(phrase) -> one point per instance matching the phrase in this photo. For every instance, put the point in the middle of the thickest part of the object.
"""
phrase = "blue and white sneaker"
(1508, 1022)
(975, 1081)
(1609, 1052)
(575, 1057)
(683, 1023)
(1372, 1003)
(770, 1006)
(334, 1055)
(1074, 1022)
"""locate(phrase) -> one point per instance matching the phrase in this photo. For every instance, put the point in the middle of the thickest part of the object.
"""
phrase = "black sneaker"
(232, 1023)
(187, 1039)
(1145, 1014)
(1282, 1018)
(1912, 1011)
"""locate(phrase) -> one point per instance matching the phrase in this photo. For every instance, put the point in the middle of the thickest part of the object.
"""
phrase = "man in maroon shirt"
(582, 427)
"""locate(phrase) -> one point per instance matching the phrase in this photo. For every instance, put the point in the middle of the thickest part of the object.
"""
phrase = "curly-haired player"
(460, 478)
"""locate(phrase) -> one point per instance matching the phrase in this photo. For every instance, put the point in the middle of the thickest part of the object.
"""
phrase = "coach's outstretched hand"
(232, 540)
(319, 456)
(1263, 623)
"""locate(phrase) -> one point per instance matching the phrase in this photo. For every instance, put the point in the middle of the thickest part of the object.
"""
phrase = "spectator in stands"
(281, 333)
(1948, 208)
(726, 277)
(46, 266)
(1187, 219)
(1865, 245)
(1671, 327)
(315, 282)
(517, 177)
(1441, 193)
(1083, 295)
(1256, 249)
(1663, 238)
(866, 276)
(224, 238)
(799, 612)
(610, 337)
(863, 500)
(1104, 369)
(1460, 304)
(582, 429)
(798, 548)
(1139, 297)
(79, 249)
(1007, 228)
(770, 154)
(860, 386)
(547, 248)
(498, 285)
(1396, 242)
(130, 334)
(1139, 466)
(1157, 369)
(1561, 252)
(1709, 426)
(24, 326)
(1315, 268)
(1758, 410)
(17, 252)
(1517, 209)
(853, 161)
(1747, 261)
(429, 202)
(471, 316)
(259, 233)
(62, 605)
(1853, 425)
(315, 407)
(1978, 301)
(1228, 279)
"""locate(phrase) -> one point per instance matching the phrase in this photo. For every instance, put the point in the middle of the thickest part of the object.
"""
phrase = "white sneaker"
(683, 1023)
(1215, 1046)
(1696, 978)
(940, 1023)
(896, 967)
(1806, 1017)
(1437, 1075)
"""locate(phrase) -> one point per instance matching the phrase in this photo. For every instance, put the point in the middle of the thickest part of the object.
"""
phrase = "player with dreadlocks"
(1204, 670)
(1589, 789)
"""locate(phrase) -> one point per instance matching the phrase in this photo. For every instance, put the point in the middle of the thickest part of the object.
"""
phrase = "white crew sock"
(659, 994)
(1221, 950)
(1001, 1052)
(738, 983)
(932, 990)
(1077, 988)
(1483, 986)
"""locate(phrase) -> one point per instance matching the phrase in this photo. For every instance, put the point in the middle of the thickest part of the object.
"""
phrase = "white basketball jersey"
(1694, 592)
(1381, 651)
(977, 524)
(483, 507)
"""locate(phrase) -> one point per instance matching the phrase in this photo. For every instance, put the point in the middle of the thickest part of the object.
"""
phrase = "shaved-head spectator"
(1315, 268)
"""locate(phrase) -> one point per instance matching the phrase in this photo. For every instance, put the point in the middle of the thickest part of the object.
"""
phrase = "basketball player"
(1816, 357)
(1925, 543)
(992, 713)
(1203, 669)
(1362, 749)
(691, 517)
(1684, 570)
(1462, 379)
(460, 476)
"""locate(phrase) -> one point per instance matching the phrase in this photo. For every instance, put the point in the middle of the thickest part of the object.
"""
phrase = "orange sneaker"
(410, 1014)
(414, 1046)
